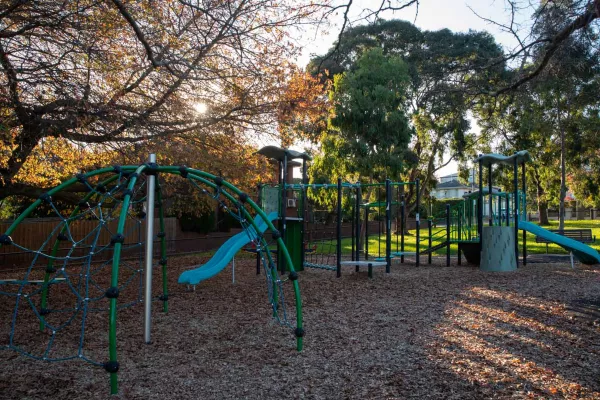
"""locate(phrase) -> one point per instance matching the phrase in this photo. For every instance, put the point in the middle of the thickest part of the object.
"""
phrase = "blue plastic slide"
(584, 253)
(224, 255)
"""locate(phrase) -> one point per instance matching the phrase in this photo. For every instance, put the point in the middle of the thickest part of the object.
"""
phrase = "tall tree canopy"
(535, 52)
(555, 115)
(443, 68)
(368, 126)
(95, 73)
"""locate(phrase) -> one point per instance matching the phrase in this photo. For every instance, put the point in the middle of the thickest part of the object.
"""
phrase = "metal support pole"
(352, 226)
(469, 211)
(418, 223)
(358, 224)
(516, 208)
(304, 212)
(388, 225)
(283, 210)
(366, 232)
(459, 235)
(258, 259)
(402, 226)
(524, 214)
(459, 224)
(480, 206)
(507, 209)
(429, 241)
(150, 188)
(163, 244)
(339, 228)
(490, 205)
(448, 235)
(258, 244)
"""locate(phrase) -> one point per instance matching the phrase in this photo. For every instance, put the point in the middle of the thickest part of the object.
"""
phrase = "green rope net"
(46, 309)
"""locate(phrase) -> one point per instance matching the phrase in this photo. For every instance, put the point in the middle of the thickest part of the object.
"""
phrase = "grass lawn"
(377, 245)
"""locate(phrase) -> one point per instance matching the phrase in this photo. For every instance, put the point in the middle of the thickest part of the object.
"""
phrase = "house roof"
(451, 184)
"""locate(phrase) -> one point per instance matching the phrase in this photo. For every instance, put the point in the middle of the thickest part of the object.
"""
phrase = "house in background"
(449, 187)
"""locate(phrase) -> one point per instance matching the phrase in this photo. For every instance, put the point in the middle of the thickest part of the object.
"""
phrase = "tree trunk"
(563, 184)
(542, 202)
(543, 212)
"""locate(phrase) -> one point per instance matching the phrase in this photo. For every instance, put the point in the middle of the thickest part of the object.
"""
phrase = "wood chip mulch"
(428, 332)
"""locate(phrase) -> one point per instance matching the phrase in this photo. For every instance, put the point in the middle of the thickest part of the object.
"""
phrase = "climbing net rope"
(92, 261)
(66, 278)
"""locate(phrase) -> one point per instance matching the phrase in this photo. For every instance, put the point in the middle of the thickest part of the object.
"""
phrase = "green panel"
(498, 252)
(270, 199)
(293, 242)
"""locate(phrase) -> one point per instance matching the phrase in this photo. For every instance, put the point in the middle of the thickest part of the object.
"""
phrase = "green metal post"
(459, 234)
(388, 225)
(418, 223)
(524, 215)
(516, 207)
(480, 205)
(358, 223)
(163, 247)
(114, 282)
(304, 213)
(339, 229)
(366, 232)
(448, 235)
(490, 191)
(402, 227)
(429, 240)
(283, 215)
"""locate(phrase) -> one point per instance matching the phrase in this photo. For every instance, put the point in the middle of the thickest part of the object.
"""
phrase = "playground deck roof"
(278, 153)
(493, 158)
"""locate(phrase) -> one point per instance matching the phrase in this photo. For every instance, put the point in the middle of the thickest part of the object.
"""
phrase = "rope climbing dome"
(71, 276)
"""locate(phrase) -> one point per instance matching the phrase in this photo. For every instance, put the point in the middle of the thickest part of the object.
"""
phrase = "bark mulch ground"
(431, 332)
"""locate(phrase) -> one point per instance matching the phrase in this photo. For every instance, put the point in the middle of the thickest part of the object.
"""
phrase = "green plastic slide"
(584, 253)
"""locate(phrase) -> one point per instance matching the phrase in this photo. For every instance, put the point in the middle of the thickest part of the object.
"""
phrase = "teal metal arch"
(232, 193)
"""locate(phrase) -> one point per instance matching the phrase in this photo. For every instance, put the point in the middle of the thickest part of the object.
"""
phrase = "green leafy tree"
(368, 116)
(554, 116)
(444, 70)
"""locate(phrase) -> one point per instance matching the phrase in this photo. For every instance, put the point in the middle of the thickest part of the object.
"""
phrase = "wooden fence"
(41, 234)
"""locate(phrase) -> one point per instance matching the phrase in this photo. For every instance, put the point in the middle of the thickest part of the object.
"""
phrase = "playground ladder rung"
(364, 263)
(33, 282)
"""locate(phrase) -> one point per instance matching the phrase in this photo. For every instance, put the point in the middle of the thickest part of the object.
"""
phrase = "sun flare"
(200, 108)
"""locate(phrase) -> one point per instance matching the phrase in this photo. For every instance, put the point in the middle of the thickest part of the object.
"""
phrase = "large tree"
(368, 121)
(444, 68)
(534, 53)
(555, 113)
(111, 73)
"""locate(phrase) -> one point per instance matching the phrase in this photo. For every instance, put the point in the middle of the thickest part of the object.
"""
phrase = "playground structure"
(122, 200)
(464, 222)
(94, 273)
(315, 237)
(316, 240)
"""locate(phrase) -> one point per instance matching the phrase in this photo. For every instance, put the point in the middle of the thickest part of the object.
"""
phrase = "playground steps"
(396, 255)
(434, 248)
